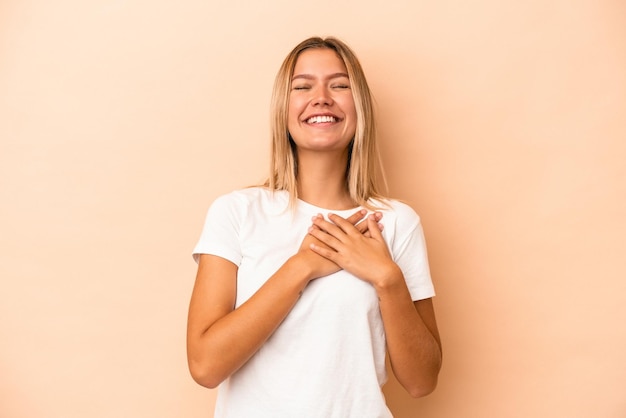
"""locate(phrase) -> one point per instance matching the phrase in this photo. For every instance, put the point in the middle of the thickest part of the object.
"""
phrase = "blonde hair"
(364, 174)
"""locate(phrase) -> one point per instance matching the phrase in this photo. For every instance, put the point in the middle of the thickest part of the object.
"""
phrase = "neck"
(322, 180)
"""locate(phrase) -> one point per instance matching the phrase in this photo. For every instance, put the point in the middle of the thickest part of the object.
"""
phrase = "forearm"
(223, 347)
(414, 349)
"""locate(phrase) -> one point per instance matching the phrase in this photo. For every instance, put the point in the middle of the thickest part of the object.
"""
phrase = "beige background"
(503, 124)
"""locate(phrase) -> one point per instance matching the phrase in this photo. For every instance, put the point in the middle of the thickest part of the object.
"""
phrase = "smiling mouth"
(321, 119)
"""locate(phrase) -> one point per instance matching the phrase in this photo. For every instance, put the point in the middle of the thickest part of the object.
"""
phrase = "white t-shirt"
(327, 358)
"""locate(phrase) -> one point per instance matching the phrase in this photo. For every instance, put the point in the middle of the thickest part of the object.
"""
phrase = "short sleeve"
(220, 234)
(409, 252)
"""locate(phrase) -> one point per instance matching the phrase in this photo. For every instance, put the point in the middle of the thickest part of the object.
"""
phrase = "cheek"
(350, 110)
(291, 112)
(293, 109)
(348, 106)
(294, 112)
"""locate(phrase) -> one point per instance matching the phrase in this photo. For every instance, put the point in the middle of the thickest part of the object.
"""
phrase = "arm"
(220, 338)
(412, 339)
(411, 330)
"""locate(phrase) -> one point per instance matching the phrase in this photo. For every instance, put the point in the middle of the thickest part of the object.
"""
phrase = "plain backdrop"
(503, 123)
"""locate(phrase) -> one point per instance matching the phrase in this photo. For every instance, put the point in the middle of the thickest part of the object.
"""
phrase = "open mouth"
(321, 119)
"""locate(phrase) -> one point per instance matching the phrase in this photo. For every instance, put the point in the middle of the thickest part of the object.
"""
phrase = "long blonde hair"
(364, 174)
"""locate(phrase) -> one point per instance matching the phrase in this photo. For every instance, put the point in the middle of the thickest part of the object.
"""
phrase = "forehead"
(317, 60)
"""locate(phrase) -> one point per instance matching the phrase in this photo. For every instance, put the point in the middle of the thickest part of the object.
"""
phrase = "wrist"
(299, 269)
(389, 279)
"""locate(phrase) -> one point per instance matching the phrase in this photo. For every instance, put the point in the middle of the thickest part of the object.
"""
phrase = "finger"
(343, 225)
(375, 228)
(363, 225)
(332, 228)
(313, 225)
(357, 216)
(324, 237)
(312, 239)
(354, 219)
(324, 252)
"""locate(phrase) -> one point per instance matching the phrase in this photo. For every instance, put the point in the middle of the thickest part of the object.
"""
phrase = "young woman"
(306, 283)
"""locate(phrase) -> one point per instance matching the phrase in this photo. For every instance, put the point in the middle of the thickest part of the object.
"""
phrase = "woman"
(305, 282)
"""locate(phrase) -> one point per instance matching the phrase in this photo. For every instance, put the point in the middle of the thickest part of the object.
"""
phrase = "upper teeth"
(320, 119)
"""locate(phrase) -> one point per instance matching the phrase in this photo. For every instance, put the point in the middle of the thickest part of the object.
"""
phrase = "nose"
(322, 97)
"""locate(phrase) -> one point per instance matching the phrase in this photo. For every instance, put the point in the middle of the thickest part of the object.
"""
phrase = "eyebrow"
(311, 77)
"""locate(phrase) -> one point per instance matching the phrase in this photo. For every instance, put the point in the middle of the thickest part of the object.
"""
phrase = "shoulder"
(245, 196)
(402, 213)
(250, 198)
